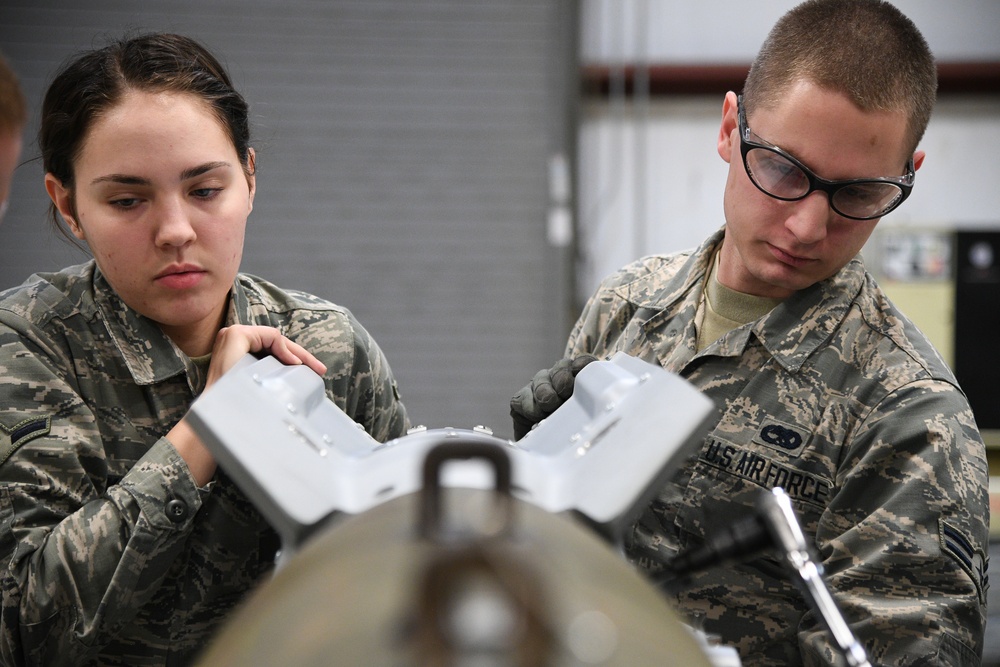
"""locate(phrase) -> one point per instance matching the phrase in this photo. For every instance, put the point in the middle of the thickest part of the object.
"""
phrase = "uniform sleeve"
(584, 331)
(600, 321)
(904, 540)
(358, 378)
(78, 557)
(373, 398)
(608, 313)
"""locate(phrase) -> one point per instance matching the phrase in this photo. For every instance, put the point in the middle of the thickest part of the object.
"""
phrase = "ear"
(252, 177)
(729, 125)
(62, 198)
(918, 159)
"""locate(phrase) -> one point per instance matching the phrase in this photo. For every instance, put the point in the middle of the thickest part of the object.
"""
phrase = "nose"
(173, 225)
(809, 218)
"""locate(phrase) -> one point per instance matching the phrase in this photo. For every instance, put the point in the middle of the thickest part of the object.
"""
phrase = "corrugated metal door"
(403, 169)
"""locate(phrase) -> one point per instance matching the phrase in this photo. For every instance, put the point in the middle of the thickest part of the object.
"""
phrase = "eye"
(205, 193)
(124, 203)
(779, 169)
(867, 199)
(868, 193)
(776, 174)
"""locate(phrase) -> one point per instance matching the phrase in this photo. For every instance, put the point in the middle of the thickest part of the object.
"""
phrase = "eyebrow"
(193, 172)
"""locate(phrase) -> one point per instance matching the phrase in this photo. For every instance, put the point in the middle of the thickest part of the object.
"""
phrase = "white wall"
(650, 178)
(732, 30)
(652, 181)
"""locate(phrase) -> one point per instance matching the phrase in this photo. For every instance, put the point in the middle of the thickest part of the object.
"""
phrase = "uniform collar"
(659, 296)
(807, 319)
(150, 355)
(791, 332)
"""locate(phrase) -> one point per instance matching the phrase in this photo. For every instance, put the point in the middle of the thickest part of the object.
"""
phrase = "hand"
(231, 345)
(545, 393)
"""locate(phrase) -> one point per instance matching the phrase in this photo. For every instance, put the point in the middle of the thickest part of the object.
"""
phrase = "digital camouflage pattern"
(110, 554)
(836, 397)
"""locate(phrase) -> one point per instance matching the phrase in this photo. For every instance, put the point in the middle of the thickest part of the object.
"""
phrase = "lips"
(180, 276)
(789, 258)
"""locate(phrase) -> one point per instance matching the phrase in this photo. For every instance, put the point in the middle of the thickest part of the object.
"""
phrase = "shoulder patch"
(973, 561)
(22, 432)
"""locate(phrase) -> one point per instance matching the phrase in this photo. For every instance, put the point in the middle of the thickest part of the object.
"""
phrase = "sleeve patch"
(29, 429)
(973, 561)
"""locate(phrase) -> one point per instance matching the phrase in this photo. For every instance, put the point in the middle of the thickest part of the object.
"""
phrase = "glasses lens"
(775, 175)
(866, 200)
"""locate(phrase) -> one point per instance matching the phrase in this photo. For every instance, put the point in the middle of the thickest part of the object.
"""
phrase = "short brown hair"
(13, 106)
(866, 49)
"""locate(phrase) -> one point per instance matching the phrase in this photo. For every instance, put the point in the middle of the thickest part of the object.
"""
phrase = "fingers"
(546, 394)
(561, 376)
(523, 412)
(291, 353)
(548, 390)
(580, 362)
(532, 404)
(233, 343)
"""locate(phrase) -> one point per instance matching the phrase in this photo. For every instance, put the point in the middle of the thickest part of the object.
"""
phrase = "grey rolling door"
(403, 151)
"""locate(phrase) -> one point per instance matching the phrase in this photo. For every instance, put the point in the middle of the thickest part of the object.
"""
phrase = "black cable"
(738, 541)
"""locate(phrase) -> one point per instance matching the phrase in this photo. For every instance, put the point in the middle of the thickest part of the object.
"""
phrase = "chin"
(182, 317)
(780, 281)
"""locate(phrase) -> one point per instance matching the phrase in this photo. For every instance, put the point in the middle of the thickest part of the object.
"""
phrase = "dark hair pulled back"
(97, 80)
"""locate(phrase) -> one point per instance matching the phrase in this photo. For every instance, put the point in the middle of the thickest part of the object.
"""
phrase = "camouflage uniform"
(111, 554)
(836, 397)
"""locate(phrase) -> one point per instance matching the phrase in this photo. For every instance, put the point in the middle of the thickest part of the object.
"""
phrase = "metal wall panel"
(403, 150)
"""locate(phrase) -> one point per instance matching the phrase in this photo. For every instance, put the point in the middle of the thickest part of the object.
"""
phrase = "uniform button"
(177, 510)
